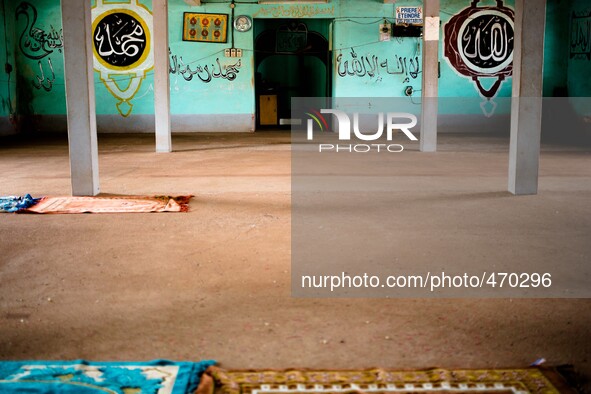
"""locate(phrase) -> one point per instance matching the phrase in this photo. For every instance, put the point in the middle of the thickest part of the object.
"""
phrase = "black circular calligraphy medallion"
(119, 39)
(487, 41)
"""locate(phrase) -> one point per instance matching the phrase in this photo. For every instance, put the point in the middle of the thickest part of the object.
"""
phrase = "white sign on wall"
(409, 15)
(432, 28)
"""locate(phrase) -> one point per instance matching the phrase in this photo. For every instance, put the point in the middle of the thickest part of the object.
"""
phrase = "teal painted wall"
(130, 91)
(206, 83)
(451, 83)
(579, 61)
(556, 52)
(366, 67)
(231, 94)
(6, 56)
(38, 57)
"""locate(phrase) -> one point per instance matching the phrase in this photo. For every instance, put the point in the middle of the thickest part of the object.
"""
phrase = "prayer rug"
(379, 381)
(110, 204)
(83, 377)
(16, 203)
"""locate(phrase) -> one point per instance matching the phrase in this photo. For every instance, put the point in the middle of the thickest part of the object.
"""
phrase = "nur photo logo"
(358, 140)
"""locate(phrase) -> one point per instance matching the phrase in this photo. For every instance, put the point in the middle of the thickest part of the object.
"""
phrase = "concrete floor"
(215, 282)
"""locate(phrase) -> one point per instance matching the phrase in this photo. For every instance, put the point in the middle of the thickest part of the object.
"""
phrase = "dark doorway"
(292, 59)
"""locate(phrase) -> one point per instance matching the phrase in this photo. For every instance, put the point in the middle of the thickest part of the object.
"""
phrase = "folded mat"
(110, 204)
(84, 377)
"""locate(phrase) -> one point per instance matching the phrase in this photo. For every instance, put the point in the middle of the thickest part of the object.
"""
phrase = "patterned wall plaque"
(205, 27)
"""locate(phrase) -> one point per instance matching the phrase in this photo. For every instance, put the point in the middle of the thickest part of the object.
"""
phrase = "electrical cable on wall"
(232, 6)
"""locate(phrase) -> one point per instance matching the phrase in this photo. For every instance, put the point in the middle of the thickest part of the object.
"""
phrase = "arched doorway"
(292, 59)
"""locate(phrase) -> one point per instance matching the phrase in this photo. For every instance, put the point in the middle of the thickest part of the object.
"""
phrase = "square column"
(161, 77)
(430, 87)
(80, 99)
(526, 104)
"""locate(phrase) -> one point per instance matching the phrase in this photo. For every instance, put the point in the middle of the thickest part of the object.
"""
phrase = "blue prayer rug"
(17, 203)
(84, 377)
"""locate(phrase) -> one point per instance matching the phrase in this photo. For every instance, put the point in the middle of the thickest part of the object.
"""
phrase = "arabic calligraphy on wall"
(122, 48)
(580, 40)
(44, 82)
(486, 42)
(205, 73)
(37, 44)
(34, 42)
(293, 11)
(371, 66)
(120, 40)
(479, 43)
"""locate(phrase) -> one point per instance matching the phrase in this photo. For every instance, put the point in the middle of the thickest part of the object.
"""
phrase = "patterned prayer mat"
(83, 377)
(378, 381)
(111, 204)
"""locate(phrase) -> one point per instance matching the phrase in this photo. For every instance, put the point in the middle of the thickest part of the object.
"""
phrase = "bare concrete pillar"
(526, 106)
(430, 88)
(80, 100)
(161, 77)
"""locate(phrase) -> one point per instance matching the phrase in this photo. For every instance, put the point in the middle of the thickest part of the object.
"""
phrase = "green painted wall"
(579, 60)
(451, 83)
(39, 58)
(555, 51)
(206, 83)
(222, 95)
(366, 67)
(5, 57)
(125, 91)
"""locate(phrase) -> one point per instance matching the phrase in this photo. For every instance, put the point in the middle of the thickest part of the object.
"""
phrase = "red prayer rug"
(111, 204)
